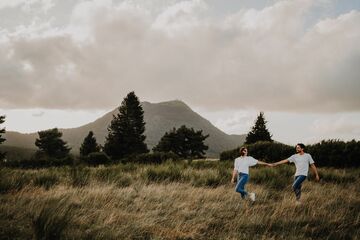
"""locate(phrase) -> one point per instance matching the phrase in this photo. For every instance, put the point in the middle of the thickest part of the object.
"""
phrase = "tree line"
(327, 153)
(125, 141)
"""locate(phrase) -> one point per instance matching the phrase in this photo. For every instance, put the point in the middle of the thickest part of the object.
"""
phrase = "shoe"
(252, 196)
(298, 203)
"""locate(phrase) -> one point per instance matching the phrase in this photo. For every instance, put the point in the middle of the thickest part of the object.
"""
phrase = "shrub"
(336, 153)
(46, 180)
(113, 175)
(52, 219)
(128, 167)
(13, 180)
(205, 179)
(327, 153)
(262, 150)
(97, 158)
(203, 164)
(123, 181)
(155, 158)
(230, 154)
(224, 172)
(79, 176)
(39, 160)
(185, 142)
(162, 173)
(107, 174)
(336, 176)
(270, 151)
(278, 178)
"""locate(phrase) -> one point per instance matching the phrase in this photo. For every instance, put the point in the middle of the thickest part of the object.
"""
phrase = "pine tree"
(170, 142)
(259, 131)
(89, 145)
(126, 131)
(2, 131)
(185, 142)
(51, 144)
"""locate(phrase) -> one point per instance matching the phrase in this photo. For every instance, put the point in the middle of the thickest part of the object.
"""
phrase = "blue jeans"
(297, 185)
(240, 186)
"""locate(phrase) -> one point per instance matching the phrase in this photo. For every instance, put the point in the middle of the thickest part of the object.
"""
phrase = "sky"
(64, 63)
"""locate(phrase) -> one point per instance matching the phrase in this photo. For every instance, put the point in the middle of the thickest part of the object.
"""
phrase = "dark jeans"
(297, 185)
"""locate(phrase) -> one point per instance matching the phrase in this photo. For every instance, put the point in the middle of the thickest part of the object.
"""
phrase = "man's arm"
(280, 162)
(313, 168)
(233, 176)
(263, 163)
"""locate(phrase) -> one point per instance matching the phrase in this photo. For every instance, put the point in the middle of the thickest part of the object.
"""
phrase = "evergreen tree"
(259, 131)
(126, 131)
(89, 145)
(51, 144)
(185, 142)
(2, 131)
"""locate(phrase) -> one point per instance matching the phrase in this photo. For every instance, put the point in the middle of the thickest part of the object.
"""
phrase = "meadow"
(175, 200)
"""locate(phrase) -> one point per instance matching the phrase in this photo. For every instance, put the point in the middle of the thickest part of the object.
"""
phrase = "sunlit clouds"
(285, 56)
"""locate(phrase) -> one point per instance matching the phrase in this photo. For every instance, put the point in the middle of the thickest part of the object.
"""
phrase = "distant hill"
(17, 153)
(159, 118)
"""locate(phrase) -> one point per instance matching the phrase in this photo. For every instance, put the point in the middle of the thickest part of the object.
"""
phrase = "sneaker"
(252, 196)
(298, 203)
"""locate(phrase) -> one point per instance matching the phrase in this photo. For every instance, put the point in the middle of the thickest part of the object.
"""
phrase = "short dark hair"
(301, 145)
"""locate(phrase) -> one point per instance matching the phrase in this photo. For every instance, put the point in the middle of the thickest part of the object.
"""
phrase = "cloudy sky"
(64, 63)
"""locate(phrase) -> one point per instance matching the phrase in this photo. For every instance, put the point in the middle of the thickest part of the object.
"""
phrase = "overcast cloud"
(269, 58)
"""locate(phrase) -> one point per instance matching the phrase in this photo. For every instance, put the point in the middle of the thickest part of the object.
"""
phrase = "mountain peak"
(172, 103)
(159, 118)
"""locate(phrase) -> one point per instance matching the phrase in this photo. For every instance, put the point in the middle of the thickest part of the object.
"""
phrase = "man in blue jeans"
(241, 169)
(302, 161)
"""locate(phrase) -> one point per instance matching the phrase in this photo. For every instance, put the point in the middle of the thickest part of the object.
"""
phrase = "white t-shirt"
(243, 163)
(302, 163)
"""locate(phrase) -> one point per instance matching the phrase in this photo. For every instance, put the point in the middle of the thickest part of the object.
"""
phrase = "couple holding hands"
(301, 160)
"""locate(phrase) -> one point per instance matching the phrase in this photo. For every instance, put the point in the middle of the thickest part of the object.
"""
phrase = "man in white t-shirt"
(241, 170)
(302, 161)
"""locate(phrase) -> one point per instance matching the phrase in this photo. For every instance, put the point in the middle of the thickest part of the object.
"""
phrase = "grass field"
(175, 201)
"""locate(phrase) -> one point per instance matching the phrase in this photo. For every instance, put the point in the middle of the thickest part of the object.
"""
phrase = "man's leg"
(240, 186)
(297, 186)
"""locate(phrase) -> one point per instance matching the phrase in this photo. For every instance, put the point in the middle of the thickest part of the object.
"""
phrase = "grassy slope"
(175, 202)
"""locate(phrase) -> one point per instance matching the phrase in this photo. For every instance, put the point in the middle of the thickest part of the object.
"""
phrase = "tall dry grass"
(175, 201)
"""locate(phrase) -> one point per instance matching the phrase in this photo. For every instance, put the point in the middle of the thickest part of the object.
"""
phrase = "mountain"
(159, 118)
(17, 153)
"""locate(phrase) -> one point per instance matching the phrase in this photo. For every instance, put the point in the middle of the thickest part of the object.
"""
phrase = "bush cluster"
(327, 153)
(46, 180)
(96, 158)
(230, 154)
(79, 176)
(51, 219)
(274, 178)
(13, 180)
(151, 158)
(163, 173)
(336, 153)
(113, 175)
(267, 151)
(39, 161)
(270, 151)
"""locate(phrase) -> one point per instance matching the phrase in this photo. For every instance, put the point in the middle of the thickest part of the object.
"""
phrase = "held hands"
(267, 164)
(270, 165)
